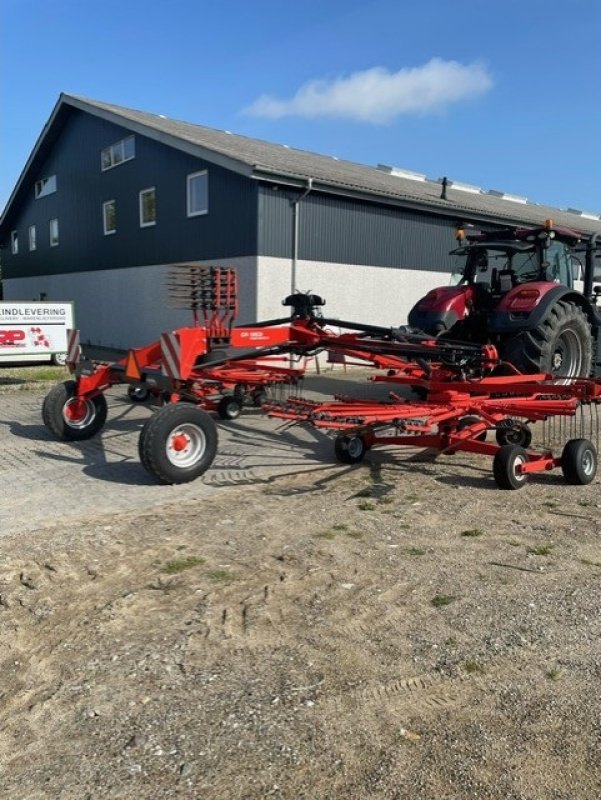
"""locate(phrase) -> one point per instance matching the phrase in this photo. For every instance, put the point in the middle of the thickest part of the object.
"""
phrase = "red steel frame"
(462, 403)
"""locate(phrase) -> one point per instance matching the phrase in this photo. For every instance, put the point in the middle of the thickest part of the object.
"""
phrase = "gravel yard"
(291, 627)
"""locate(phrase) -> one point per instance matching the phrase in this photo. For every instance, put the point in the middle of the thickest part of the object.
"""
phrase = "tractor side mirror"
(577, 268)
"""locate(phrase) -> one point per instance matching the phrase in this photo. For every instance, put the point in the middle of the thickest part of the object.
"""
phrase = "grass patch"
(472, 532)
(590, 563)
(473, 668)
(340, 526)
(554, 673)
(540, 550)
(23, 377)
(330, 534)
(416, 551)
(355, 534)
(366, 505)
(180, 564)
(221, 576)
(441, 600)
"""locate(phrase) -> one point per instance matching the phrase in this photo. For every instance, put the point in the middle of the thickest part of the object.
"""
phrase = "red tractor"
(516, 290)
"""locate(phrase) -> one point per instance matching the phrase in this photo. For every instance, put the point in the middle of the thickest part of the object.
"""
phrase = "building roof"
(263, 160)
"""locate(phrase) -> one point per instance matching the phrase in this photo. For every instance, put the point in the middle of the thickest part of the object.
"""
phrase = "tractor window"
(487, 264)
(559, 267)
(525, 266)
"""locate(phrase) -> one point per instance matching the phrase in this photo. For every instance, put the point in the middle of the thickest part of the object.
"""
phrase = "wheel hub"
(78, 412)
(179, 442)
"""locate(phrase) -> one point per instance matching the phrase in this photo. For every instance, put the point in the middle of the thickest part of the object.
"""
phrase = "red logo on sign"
(11, 337)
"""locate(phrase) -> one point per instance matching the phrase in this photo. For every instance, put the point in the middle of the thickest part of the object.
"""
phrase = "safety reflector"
(73, 347)
(171, 355)
(132, 370)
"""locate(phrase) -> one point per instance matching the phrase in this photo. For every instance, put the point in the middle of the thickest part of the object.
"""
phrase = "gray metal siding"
(340, 230)
(227, 231)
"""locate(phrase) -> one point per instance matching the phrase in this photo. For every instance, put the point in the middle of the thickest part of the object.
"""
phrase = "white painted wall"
(373, 295)
(124, 308)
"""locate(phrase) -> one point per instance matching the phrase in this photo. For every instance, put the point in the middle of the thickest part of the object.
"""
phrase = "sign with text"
(34, 330)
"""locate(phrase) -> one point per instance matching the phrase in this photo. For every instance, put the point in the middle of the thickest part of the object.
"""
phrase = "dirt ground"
(395, 629)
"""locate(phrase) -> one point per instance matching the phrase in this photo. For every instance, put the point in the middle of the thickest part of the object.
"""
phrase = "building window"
(148, 207)
(32, 238)
(109, 217)
(53, 233)
(198, 193)
(118, 153)
(45, 186)
(14, 242)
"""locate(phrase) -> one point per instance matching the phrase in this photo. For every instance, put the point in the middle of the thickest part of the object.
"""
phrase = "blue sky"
(503, 95)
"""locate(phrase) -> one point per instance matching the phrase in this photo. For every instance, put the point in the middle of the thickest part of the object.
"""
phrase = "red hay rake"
(215, 366)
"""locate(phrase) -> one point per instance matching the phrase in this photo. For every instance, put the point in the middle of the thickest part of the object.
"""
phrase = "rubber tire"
(138, 394)
(229, 407)
(520, 435)
(349, 449)
(157, 432)
(259, 397)
(504, 466)
(533, 351)
(59, 359)
(54, 419)
(579, 462)
(465, 422)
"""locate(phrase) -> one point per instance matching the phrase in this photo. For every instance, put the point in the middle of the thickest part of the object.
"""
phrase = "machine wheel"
(465, 422)
(138, 394)
(507, 461)
(73, 418)
(579, 461)
(259, 397)
(59, 359)
(349, 449)
(561, 345)
(178, 443)
(229, 407)
(512, 431)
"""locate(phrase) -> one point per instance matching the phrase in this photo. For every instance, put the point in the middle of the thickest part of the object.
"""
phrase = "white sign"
(34, 331)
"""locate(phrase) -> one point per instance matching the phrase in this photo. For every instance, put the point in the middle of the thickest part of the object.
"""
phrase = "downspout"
(295, 227)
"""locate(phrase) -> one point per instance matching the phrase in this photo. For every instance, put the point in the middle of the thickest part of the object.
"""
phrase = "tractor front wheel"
(178, 443)
(561, 345)
(506, 467)
(73, 418)
(579, 461)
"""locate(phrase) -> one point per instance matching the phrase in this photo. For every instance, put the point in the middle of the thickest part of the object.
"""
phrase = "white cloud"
(377, 95)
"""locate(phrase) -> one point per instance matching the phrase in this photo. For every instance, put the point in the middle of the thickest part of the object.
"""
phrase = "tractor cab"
(498, 266)
(491, 268)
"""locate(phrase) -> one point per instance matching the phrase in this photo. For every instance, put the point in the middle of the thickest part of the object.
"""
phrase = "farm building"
(111, 197)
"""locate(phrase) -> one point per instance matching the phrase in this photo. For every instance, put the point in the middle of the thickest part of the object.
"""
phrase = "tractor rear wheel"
(178, 443)
(506, 467)
(73, 418)
(579, 461)
(561, 345)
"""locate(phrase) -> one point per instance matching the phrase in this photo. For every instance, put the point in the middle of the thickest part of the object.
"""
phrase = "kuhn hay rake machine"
(214, 365)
